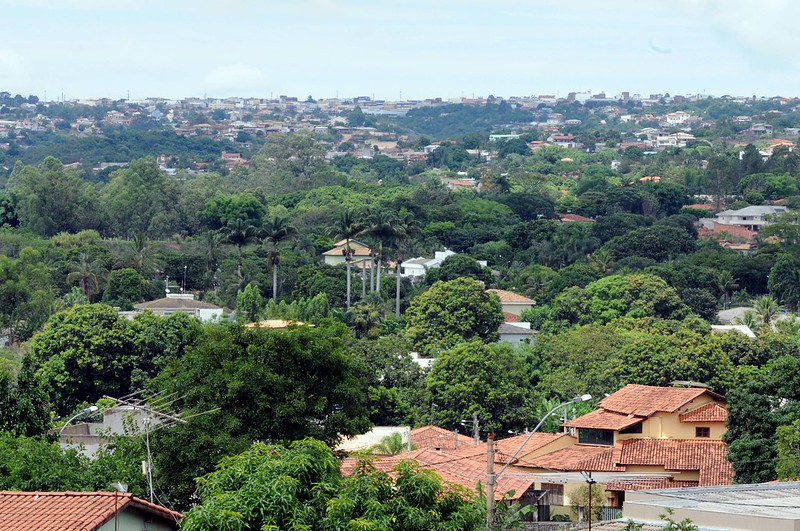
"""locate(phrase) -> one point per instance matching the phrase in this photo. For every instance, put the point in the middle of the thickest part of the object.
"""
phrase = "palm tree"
(88, 273)
(391, 445)
(211, 242)
(724, 281)
(239, 232)
(346, 226)
(602, 260)
(748, 319)
(381, 228)
(766, 308)
(405, 229)
(275, 231)
(141, 255)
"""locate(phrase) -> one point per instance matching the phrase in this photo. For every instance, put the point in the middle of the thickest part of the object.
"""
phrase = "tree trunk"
(397, 287)
(275, 282)
(348, 284)
(372, 274)
(364, 279)
(378, 276)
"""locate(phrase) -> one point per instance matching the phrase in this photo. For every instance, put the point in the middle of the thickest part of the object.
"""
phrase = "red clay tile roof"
(431, 437)
(708, 457)
(466, 470)
(649, 483)
(734, 231)
(604, 420)
(711, 412)
(645, 400)
(70, 511)
(510, 318)
(510, 296)
(579, 457)
(574, 218)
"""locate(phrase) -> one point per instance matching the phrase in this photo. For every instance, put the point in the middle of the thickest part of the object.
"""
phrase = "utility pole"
(490, 477)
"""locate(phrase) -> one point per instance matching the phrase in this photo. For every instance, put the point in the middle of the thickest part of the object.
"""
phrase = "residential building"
(752, 218)
(417, 267)
(181, 303)
(642, 437)
(360, 252)
(511, 302)
(85, 511)
(516, 333)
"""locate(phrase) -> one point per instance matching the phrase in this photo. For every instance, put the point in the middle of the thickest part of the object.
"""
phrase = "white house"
(181, 302)
(417, 267)
(516, 333)
(752, 217)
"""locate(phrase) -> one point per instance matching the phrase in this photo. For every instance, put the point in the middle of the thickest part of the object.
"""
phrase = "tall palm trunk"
(371, 273)
(397, 287)
(275, 281)
(348, 282)
(378, 275)
(363, 279)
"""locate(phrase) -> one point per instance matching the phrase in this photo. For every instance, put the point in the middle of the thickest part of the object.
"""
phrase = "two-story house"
(752, 218)
(641, 437)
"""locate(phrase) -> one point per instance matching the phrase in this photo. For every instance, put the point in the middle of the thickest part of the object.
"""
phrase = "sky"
(388, 49)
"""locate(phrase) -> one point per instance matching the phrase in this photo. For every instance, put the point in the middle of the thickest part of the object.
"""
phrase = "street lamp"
(492, 477)
(90, 409)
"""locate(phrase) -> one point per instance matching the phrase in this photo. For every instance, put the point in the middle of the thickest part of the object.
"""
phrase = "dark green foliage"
(490, 380)
(453, 312)
(658, 243)
(262, 385)
(456, 266)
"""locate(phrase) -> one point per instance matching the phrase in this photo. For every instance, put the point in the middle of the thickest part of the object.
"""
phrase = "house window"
(702, 432)
(636, 428)
(555, 493)
(604, 437)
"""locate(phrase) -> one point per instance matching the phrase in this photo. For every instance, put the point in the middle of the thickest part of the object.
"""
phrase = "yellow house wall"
(558, 444)
(669, 425)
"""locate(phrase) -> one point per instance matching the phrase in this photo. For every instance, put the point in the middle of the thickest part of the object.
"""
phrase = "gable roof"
(432, 437)
(510, 296)
(169, 303)
(646, 400)
(71, 511)
(711, 412)
(604, 420)
(708, 457)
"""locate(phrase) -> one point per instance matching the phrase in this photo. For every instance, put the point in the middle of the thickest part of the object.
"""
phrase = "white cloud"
(236, 78)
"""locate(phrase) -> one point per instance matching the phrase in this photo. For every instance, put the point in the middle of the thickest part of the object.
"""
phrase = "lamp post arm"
(90, 409)
(541, 422)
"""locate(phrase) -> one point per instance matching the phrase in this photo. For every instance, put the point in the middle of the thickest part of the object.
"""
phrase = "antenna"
(158, 413)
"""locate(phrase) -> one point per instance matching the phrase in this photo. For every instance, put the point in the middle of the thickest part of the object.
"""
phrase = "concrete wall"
(131, 519)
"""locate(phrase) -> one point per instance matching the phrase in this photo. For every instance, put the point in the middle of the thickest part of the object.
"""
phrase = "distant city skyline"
(397, 50)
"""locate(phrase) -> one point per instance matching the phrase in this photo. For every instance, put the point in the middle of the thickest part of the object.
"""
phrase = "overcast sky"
(385, 48)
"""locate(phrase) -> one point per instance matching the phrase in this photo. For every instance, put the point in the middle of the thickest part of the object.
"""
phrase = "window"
(604, 437)
(555, 493)
(636, 428)
(702, 432)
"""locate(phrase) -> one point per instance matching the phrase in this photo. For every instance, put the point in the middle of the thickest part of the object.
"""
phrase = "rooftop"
(171, 303)
(646, 400)
(510, 296)
(70, 511)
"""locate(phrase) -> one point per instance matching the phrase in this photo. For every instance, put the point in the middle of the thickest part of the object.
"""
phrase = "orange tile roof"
(510, 317)
(432, 437)
(579, 457)
(734, 231)
(358, 250)
(510, 296)
(711, 412)
(645, 400)
(649, 483)
(707, 457)
(574, 218)
(604, 420)
(70, 511)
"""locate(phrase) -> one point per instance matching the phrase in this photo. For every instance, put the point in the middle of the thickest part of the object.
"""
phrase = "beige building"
(361, 253)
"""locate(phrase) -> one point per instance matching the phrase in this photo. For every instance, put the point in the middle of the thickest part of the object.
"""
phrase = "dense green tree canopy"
(452, 312)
